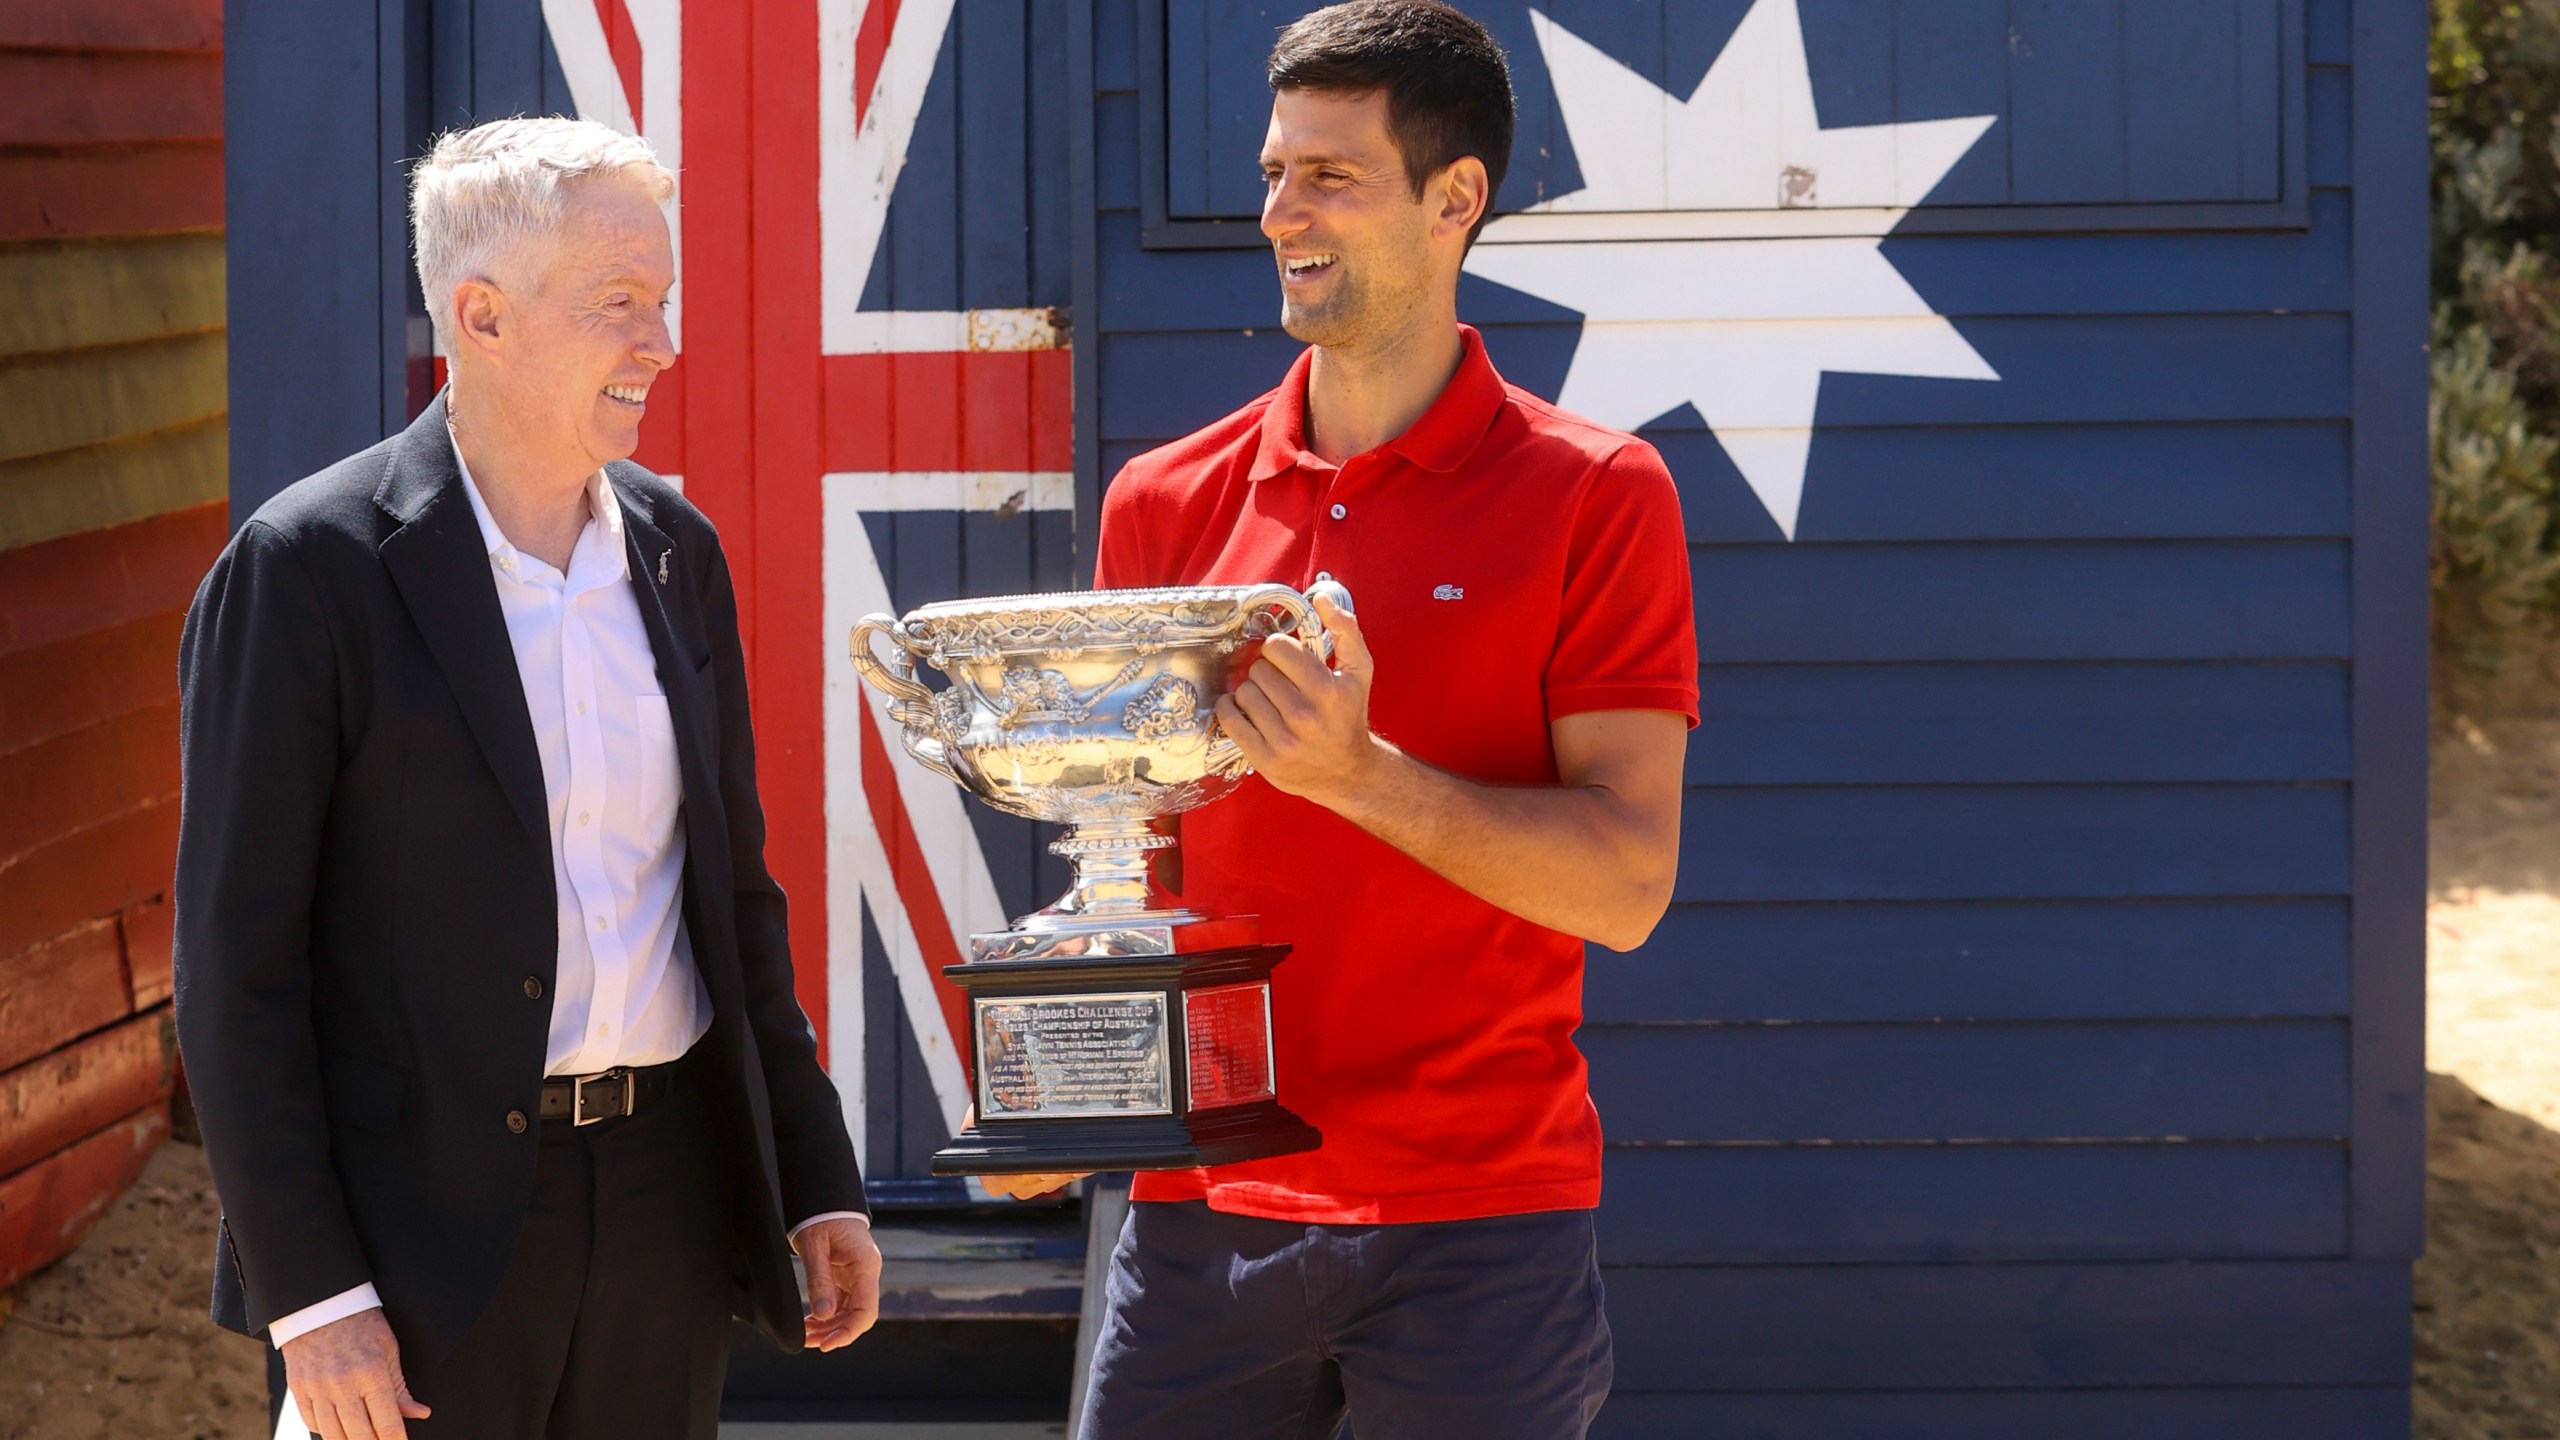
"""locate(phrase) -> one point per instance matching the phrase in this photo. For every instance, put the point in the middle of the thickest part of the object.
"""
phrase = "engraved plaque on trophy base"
(1120, 1062)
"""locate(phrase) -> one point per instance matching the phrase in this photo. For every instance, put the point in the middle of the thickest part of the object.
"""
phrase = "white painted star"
(1788, 282)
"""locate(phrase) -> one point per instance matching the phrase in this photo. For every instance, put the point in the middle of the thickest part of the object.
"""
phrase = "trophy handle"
(911, 701)
(1297, 615)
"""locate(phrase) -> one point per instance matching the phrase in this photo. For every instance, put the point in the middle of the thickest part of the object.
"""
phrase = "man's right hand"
(1024, 1187)
(346, 1379)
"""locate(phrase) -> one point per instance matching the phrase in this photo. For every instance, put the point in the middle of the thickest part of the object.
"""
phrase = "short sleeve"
(1119, 561)
(1626, 637)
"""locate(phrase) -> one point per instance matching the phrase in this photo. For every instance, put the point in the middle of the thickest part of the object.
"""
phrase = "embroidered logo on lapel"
(662, 565)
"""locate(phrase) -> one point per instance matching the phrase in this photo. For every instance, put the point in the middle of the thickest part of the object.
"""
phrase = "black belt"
(606, 1095)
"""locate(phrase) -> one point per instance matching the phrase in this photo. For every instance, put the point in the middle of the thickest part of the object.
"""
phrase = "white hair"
(482, 197)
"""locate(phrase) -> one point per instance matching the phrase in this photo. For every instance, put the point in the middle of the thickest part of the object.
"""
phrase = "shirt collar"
(1440, 441)
(605, 512)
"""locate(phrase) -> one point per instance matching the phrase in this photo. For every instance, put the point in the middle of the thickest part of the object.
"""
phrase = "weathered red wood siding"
(112, 487)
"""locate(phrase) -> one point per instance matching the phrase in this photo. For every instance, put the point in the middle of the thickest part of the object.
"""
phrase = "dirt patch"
(112, 1341)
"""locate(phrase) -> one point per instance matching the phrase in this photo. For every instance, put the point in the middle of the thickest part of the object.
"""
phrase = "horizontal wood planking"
(56, 991)
(1983, 960)
(1978, 1327)
(46, 497)
(114, 189)
(2379, 1412)
(2091, 1080)
(2054, 370)
(2019, 723)
(79, 97)
(1970, 1204)
(150, 946)
(1965, 277)
(46, 1208)
(113, 864)
(2030, 842)
(87, 583)
(52, 790)
(968, 410)
(2135, 600)
(71, 398)
(113, 24)
(53, 690)
(68, 294)
(47, 1104)
(2222, 481)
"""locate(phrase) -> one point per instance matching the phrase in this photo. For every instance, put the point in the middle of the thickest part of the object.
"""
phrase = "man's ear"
(1463, 194)
(480, 316)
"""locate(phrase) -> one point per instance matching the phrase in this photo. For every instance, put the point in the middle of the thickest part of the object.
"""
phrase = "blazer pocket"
(363, 1090)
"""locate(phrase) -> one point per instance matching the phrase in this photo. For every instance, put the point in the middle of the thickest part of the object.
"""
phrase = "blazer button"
(532, 988)
(516, 1121)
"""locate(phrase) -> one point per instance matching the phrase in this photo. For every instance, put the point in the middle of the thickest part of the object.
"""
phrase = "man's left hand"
(844, 1282)
(1305, 725)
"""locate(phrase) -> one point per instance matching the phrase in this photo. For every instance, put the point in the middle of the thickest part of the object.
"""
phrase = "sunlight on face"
(1351, 240)
(592, 336)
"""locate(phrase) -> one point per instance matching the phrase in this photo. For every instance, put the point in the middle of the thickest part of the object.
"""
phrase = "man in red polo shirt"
(1488, 777)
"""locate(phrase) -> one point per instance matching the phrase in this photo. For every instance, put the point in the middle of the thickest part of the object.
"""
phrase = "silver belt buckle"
(620, 1074)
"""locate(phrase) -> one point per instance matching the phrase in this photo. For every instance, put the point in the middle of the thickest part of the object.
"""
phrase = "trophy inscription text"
(1054, 1056)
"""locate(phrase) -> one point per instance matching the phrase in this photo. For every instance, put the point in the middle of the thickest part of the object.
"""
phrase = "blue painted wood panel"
(2094, 1080)
(1980, 960)
(2019, 723)
(1999, 1327)
(2238, 600)
(2303, 1413)
(1972, 1204)
(2038, 842)
(2094, 101)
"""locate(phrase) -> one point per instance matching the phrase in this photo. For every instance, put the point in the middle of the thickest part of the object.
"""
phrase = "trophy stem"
(1115, 907)
(1112, 877)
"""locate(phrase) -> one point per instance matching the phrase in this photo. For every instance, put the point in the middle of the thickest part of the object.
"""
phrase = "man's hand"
(345, 1377)
(844, 1282)
(1303, 725)
(1025, 1187)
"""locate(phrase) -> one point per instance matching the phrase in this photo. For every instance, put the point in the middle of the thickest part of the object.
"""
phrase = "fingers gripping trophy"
(1115, 1029)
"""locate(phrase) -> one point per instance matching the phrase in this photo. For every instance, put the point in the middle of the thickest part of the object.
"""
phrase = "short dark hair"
(1447, 84)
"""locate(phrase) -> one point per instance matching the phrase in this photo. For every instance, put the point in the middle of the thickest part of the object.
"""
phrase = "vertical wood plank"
(2182, 100)
(2066, 98)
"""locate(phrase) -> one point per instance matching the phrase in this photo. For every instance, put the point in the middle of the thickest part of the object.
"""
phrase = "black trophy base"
(1157, 1142)
(1007, 1002)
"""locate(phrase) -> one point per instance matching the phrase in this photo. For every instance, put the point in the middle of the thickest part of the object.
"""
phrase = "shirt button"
(516, 1121)
(604, 1032)
(1341, 514)
(532, 988)
(582, 707)
(599, 922)
(582, 817)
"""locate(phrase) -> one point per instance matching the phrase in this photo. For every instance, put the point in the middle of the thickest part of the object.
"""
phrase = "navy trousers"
(1236, 1328)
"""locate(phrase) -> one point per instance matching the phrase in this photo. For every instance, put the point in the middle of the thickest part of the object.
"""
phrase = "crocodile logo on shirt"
(1448, 592)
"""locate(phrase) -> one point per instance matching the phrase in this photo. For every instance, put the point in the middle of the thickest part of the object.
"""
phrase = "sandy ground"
(113, 1341)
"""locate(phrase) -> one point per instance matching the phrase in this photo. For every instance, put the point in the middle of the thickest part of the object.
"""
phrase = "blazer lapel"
(658, 577)
(440, 562)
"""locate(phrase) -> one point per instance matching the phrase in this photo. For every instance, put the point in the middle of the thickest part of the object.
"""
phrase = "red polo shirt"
(1512, 563)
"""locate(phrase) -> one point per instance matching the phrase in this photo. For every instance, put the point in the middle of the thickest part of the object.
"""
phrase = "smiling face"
(573, 344)
(1359, 254)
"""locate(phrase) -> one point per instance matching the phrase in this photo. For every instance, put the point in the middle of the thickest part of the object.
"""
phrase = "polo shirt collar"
(1440, 441)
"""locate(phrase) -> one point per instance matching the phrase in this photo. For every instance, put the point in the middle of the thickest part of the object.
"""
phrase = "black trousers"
(612, 1319)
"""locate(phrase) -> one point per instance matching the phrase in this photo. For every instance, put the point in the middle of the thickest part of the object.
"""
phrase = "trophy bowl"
(1115, 1029)
(1095, 710)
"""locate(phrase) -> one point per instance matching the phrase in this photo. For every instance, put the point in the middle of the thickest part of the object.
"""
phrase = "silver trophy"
(1117, 1028)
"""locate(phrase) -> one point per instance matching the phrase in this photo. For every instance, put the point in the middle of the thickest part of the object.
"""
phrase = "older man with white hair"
(483, 986)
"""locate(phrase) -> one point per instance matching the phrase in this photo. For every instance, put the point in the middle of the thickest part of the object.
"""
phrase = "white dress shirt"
(625, 991)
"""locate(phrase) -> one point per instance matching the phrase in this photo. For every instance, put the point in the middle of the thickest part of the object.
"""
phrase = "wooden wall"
(112, 489)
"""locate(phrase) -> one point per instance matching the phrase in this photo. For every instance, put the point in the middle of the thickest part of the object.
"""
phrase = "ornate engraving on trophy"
(1059, 1056)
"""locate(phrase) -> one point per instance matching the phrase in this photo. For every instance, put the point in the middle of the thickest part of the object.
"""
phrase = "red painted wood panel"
(84, 583)
(113, 24)
(80, 1089)
(662, 424)
(66, 784)
(117, 189)
(99, 871)
(986, 410)
(150, 942)
(45, 1209)
(61, 97)
(719, 362)
(57, 991)
(54, 689)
